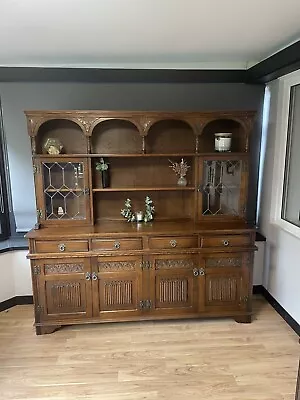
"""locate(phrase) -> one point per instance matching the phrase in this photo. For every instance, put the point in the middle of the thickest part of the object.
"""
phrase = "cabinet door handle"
(226, 242)
(195, 272)
(201, 272)
(117, 245)
(62, 247)
(88, 276)
(94, 276)
(173, 243)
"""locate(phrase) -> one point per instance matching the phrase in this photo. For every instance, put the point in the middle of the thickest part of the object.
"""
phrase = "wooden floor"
(186, 360)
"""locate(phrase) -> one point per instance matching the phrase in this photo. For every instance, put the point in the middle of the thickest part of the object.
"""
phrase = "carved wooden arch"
(151, 121)
(244, 121)
(100, 120)
(35, 123)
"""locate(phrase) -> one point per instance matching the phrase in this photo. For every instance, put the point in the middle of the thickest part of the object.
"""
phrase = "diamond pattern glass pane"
(221, 188)
(64, 185)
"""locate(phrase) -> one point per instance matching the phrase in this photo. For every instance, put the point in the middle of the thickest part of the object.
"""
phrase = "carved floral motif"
(223, 262)
(116, 265)
(175, 263)
(63, 268)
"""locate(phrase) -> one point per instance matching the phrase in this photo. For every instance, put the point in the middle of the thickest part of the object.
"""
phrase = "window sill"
(13, 244)
(288, 227)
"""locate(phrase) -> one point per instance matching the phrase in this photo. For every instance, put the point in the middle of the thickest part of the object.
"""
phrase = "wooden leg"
(243, 319)
(44, 330)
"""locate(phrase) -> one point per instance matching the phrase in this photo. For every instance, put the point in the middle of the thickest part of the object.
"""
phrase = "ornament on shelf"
(102, 166)
(139, 216)
(60, 211)
(149, 209)
(127, 211)
(181, 170)
(53, 146)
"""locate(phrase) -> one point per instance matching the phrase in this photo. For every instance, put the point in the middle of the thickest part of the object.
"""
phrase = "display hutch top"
(138, 148)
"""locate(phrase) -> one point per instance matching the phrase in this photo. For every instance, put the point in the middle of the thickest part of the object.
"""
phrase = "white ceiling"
(145, 33)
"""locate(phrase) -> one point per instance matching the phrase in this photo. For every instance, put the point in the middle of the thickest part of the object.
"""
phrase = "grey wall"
(17, 97)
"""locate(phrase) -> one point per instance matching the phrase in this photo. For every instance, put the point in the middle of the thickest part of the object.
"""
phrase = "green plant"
(102, 165)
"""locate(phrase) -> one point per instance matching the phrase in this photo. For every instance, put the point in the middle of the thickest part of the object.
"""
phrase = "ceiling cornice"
(281, 63)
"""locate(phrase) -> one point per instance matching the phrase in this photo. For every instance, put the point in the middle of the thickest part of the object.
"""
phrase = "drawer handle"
(94, 276)
(88, 276)
(117, 245)
(195, 272)
(62, 247)
(173, 243)
(201, 272)
(226, 242)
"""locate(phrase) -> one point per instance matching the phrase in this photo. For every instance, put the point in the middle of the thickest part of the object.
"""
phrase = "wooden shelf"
(120, 155)
(146, 188)
(153, 155)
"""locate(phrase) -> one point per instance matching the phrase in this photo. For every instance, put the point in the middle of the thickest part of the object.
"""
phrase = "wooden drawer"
(117, 244)
(173, 242)
(226, 241)
(63, 246)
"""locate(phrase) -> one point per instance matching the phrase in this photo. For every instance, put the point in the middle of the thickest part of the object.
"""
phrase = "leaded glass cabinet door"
(223, 187)
(63, 191)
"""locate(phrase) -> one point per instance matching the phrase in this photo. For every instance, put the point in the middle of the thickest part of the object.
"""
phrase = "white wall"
(15, 279)
(282, 255)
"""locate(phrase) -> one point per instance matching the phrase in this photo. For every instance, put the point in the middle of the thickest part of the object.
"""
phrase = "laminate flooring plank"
(211, 359)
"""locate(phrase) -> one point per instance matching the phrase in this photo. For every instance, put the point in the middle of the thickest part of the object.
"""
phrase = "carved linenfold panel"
(175, 263)
(222, 289)
(116, 266)
(63, 268)
(173, 291)
(64, 297)
(118, 293)
(223, 262)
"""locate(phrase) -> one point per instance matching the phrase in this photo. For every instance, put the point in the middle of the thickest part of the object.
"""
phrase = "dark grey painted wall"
(17, 97)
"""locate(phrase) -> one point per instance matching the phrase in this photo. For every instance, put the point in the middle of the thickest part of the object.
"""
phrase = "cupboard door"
(173, 286)
(223, 187)
(226, 282)
(63, 191)
(64, 288)
(117, 286)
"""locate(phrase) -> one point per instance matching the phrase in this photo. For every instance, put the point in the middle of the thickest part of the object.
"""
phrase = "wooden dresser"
(193, 260)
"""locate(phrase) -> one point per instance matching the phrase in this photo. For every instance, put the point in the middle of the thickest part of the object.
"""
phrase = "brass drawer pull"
(94, 276)
(226, 242)
(173, 243)
(117, 245)
(62, 247)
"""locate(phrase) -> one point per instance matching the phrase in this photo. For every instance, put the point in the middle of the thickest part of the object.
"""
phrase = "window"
(4, 215)
(285, 205)
(291, 185)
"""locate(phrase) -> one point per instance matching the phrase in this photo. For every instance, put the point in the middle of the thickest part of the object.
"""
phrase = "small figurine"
(60, 211)
(53, 146)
